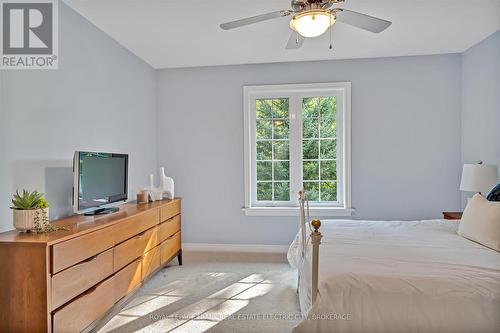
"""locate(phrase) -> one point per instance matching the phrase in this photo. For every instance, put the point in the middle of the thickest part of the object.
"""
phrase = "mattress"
(399, 276)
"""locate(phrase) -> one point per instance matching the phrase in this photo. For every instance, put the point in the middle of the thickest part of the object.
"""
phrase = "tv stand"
(102, 211)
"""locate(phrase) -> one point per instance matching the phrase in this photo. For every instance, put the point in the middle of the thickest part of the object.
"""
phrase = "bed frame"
(315, 242)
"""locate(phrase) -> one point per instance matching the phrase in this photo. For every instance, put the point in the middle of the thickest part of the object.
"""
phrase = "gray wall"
(101, 98)
(405, 141)
(481, 102)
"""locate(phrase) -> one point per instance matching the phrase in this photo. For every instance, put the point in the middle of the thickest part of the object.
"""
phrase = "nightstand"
(452, 215)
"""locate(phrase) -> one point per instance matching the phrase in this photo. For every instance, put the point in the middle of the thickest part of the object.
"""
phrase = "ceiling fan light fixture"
(312, 23)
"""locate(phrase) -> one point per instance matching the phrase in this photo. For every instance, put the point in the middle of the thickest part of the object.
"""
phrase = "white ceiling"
(186, 33)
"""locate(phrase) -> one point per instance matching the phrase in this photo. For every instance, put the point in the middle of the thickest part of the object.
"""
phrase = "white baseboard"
(240, 248)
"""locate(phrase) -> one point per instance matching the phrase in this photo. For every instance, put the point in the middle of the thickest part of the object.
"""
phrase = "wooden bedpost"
(315, 240)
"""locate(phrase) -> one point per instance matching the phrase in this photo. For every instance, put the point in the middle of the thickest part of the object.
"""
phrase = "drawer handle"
(139, 236)
(91, 290)
(89, 259)
(170, 220)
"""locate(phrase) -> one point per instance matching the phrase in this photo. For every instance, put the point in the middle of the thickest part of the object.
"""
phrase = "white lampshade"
(478, 178)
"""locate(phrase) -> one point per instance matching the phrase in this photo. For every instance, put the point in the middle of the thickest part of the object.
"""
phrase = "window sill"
(295, 211)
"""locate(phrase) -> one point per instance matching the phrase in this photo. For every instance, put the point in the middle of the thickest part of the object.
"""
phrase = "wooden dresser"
(68, 280)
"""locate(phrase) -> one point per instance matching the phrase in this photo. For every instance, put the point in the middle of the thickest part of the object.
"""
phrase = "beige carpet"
(213, 297)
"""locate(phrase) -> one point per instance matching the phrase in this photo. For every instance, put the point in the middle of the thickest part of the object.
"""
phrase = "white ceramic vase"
(24, 220)
(166, 187)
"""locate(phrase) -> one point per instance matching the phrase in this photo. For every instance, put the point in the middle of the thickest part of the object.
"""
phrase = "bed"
(380, 276)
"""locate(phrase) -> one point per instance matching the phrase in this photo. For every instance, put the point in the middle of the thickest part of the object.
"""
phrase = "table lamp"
(480, 178)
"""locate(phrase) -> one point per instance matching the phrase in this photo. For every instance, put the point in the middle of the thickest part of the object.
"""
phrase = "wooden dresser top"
(78, 225)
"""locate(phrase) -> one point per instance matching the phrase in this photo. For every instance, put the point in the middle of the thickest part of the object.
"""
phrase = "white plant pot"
(24, 220)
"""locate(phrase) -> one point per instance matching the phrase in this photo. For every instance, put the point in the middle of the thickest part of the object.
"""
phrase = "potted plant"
(31, 211)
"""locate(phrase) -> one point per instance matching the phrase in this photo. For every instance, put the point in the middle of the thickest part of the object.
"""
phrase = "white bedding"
(417, 276)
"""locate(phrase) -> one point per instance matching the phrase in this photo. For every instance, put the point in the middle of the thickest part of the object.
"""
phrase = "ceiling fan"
(312, 18)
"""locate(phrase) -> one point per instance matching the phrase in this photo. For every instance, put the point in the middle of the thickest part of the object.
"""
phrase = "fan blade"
(295, 41)
(327, 4)
(362, 21)
(254, 19)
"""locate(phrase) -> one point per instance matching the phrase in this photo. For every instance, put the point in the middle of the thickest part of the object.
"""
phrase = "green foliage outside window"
(273, 151)
(319, 148)
(319, 166)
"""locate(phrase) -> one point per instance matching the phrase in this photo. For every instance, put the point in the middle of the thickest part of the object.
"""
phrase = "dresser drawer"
(170, 210)
(76, 279)
(135, 247)
(128, 279)
(150, 262)
(75, 250)
(134, 225)
(169, 248)
(169, 227)
(87, 308)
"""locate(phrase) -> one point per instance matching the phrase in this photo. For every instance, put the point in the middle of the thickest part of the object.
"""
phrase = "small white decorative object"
(166, 188)
(166, 184)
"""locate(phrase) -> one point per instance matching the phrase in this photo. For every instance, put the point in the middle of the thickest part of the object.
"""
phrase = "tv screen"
(100, 180)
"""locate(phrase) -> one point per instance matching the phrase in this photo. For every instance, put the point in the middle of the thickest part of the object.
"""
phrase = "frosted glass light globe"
(312, 23)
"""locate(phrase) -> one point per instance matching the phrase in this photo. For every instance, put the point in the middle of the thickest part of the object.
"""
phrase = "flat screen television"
(100, 182)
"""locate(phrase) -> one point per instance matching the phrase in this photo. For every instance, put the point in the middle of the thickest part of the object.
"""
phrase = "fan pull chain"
(331, 46)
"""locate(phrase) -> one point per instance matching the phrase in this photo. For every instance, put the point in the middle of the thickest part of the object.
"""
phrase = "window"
(297, 136)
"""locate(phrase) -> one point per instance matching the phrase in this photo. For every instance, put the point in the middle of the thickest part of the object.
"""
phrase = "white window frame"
(295, 93)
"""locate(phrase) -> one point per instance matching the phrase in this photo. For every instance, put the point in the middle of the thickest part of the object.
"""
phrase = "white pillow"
(481, 222)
